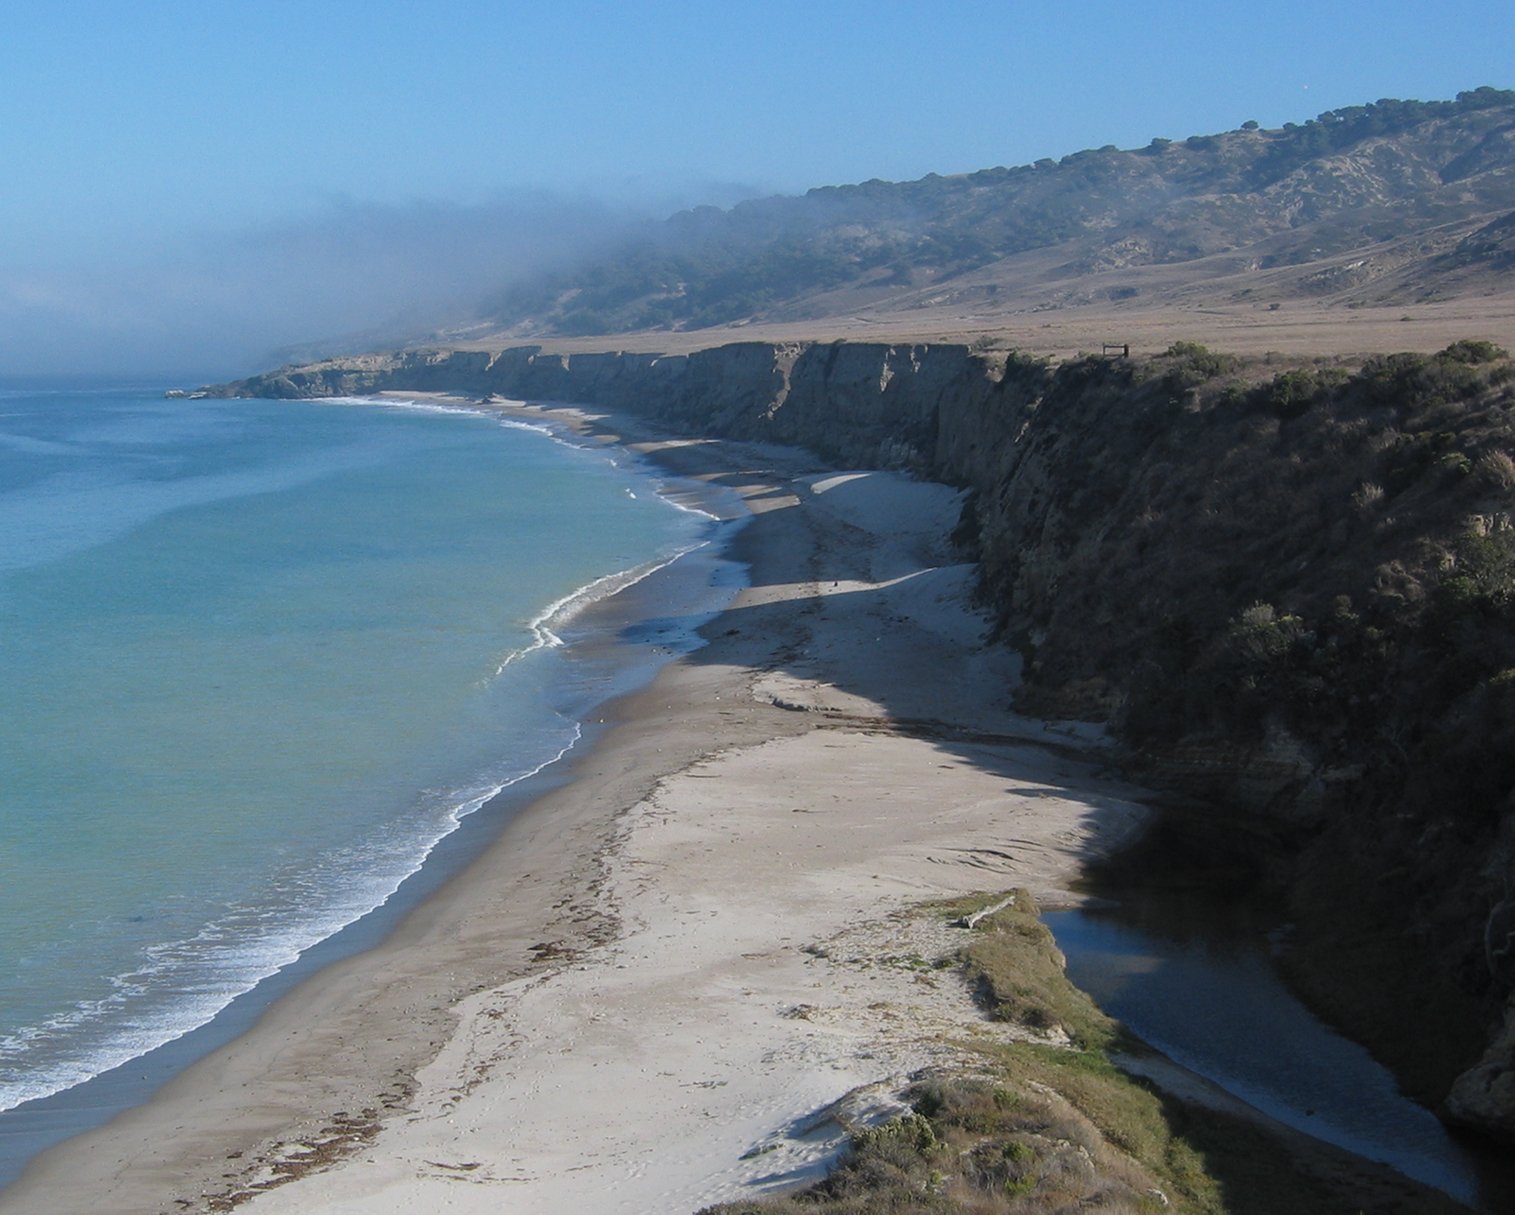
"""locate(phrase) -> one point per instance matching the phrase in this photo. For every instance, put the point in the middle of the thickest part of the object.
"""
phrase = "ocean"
(257, 659)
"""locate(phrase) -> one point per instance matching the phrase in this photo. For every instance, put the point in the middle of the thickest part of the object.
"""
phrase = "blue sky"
(188, 185)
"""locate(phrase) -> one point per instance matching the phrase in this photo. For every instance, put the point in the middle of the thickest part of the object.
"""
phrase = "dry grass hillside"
(1381, 227)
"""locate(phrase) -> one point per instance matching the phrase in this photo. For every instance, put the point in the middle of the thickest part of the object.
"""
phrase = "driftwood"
(971, 921)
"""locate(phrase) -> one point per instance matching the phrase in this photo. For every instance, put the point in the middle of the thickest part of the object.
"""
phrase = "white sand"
(725, 889)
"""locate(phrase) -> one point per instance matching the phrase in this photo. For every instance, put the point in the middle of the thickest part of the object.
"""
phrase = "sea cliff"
(1289, 589)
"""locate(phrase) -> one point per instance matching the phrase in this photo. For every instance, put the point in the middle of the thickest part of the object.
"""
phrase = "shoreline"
(595, 674)
(791, 692)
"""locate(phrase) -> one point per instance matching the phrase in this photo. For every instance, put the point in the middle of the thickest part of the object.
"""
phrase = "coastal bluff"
(1288, 587)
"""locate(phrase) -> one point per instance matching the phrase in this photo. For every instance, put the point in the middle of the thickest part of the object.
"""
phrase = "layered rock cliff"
(1291, 590)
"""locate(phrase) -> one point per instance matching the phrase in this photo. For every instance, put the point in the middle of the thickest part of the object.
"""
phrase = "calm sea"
(256, 660)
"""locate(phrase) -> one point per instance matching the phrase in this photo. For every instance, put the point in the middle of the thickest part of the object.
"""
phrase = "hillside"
(1394, 205)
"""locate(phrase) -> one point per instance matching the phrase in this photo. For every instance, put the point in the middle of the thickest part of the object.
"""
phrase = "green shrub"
(1290, 394)
(1474, 351)
(910, 1135)
(1193, 364)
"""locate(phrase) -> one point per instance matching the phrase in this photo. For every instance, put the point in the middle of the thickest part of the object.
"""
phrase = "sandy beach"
(680, 975)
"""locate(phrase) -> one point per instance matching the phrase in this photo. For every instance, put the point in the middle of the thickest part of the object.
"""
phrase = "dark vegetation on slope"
(1295, 596)
(1354, 179)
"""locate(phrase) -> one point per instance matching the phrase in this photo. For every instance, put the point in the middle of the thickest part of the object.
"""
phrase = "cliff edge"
(1290, 589)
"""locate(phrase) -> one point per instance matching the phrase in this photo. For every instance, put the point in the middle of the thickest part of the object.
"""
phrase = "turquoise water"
(256, 659)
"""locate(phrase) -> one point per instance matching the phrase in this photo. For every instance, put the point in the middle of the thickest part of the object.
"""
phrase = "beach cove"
(657, 968)
(693, 960)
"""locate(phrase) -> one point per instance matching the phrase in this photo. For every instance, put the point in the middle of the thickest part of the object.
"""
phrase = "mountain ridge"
(1392, 203)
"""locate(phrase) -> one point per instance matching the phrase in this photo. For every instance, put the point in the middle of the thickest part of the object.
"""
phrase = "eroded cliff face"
(862, 404)
(1292, 597)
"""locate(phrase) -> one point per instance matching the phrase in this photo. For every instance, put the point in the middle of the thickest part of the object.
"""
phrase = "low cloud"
(224, 304)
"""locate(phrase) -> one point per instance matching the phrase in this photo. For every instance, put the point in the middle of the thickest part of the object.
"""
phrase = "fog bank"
(221, 304)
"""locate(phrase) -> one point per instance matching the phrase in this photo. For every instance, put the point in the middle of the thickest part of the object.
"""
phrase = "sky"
(190, 186)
